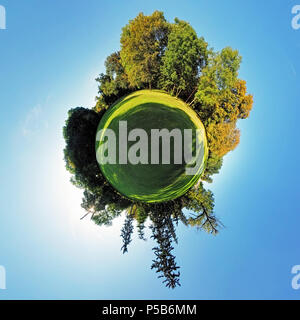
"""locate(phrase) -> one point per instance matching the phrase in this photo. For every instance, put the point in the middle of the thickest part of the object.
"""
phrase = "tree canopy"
(183, 59)
(167, 56)
(143, 43)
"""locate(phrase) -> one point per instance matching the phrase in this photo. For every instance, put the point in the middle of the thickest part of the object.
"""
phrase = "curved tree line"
(157, 54)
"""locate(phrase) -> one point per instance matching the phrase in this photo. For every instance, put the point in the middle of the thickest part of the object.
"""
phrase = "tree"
(201, 203)
(164, 262)
(184, 57)
(217, 99)
(127, 230)
(223, 137)
(221, 100)
(79, 153)
(100, 198)
(213, 166)
(141, 217)
(101, 207)
(143, 42)
(114, 83)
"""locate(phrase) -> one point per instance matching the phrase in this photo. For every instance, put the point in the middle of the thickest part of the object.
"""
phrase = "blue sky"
(50, 54)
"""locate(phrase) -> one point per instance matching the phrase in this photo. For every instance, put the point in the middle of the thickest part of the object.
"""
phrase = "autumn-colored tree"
(221, 100)
(219, 94)
(223, 137)
(143, 42)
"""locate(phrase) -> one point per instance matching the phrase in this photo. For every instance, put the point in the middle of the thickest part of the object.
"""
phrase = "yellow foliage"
(222, 137)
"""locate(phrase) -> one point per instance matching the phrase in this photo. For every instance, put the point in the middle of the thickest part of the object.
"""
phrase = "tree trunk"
(192, 102)
(178, 93)
(191, 94)
(172, 92)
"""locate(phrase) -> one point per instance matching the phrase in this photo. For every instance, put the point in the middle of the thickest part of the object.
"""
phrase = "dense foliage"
(156, 54)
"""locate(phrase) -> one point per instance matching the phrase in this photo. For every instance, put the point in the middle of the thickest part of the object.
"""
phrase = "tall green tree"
(79, 133)
(164, 261)
(143, 43)
(127, 230)
(114, 83)
(100, 198)
(183, 59)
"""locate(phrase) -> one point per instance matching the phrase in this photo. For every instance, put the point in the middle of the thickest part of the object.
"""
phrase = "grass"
(152, 109)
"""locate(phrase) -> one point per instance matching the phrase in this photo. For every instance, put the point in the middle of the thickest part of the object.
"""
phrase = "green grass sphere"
(152, 109)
